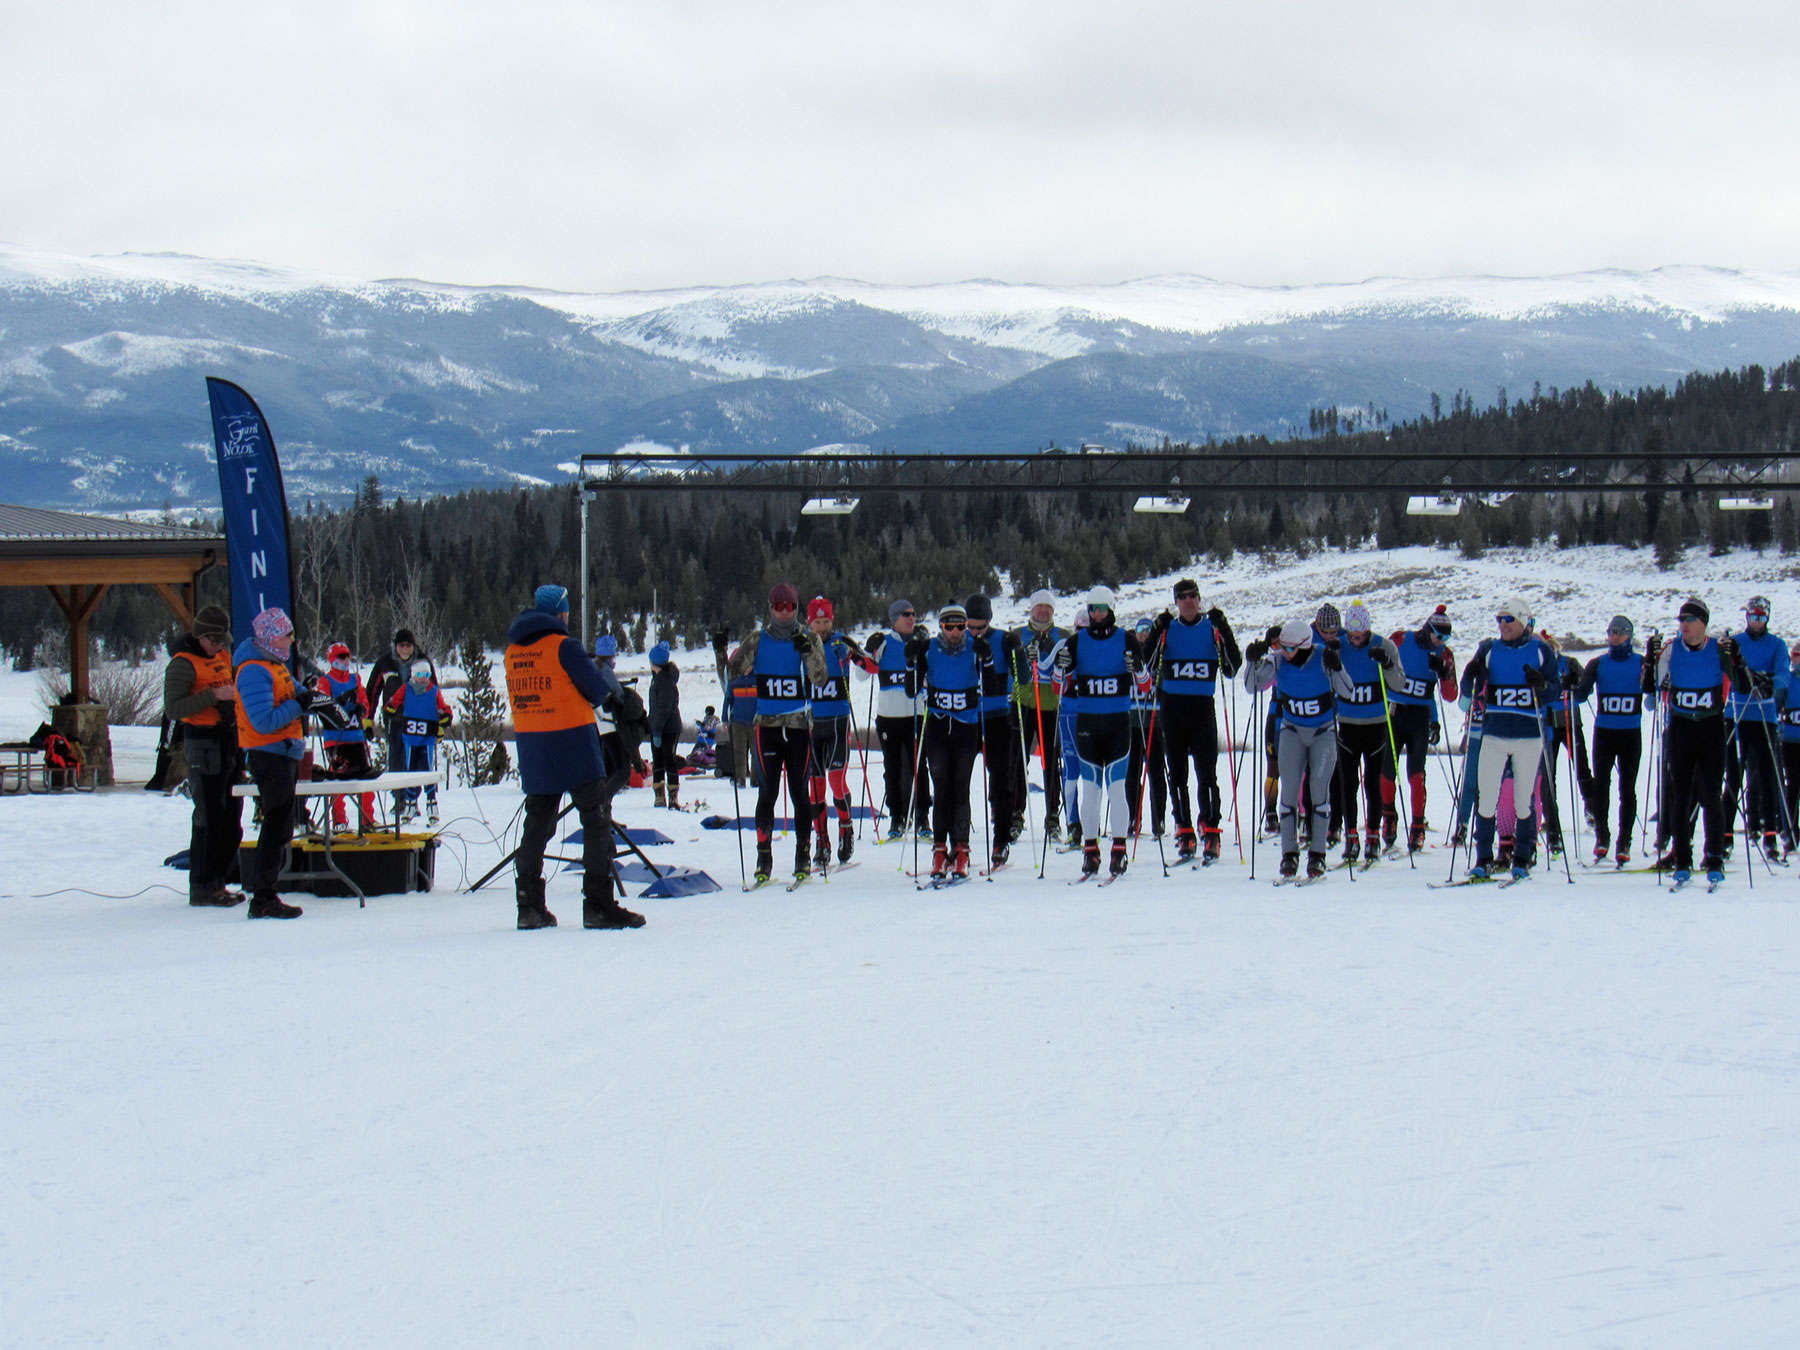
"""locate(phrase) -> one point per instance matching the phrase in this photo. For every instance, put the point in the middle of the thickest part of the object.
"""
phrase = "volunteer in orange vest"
(554, 688)
(271, 713)
(198, 694)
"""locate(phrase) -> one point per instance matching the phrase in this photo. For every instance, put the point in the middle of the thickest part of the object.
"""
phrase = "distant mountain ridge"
(438, 387)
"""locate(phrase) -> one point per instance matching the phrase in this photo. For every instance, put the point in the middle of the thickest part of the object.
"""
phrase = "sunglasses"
(953, 626)
(784, 608)
(1187, 595)
(1690, 618)
(1506, 618)
(906, 614)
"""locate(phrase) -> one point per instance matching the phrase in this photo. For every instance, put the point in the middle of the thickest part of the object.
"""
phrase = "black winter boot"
(608, 913)
(269, 906)
(532, 914)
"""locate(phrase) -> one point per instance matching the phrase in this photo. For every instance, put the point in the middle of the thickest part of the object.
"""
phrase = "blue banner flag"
(256, 518)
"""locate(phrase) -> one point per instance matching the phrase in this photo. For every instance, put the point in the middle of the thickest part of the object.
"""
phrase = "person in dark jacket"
(554, 688)
(388, 677)
(665, 726)
(198, 693)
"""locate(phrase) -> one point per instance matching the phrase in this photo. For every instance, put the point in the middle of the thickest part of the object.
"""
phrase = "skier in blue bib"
(1103, 659)
(1511, 676)
(1309, 680)
(1617, 681)
(1193, 649)
(950, 667)
(1693, 673)
(423, 714)
(1750, 751)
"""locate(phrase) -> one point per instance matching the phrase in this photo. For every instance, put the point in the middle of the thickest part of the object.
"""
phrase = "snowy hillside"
(436, 387)
(1183, 1110)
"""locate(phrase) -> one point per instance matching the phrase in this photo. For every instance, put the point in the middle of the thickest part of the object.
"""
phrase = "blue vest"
(1359, 665)
(419, 714)
(1415, 664)
(1303, 694)
(343, 693)
(780, 676)
(1101, 680)
(952, 682)
(891, 668)
(996, 679)
(1190, 658)
(1619, 692)
(832, 699)
(1768, 654)
(1512, 707)
(1696, 679)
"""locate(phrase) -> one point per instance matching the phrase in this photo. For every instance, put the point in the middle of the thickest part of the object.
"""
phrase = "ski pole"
(1024, 784)
(1231, 762)
(1387, 716)
(1257, 732)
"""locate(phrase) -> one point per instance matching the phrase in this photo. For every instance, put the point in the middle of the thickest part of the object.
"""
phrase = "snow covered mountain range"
(436, 387)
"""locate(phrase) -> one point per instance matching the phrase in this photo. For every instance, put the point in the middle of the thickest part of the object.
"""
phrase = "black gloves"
(1256, 650)
(1333, 660)
(1439, 664)
(803, 643)
(1571, 676)
(305, 697)
(1216, 617)
(721, 639)
(1065, 660)
(1728, 648)
(1435, 734)
(1762, 683)
(984, 647)
(1380, 655)
(1534, 676)
(1160, 624)
(915, 648)
(1653, 647)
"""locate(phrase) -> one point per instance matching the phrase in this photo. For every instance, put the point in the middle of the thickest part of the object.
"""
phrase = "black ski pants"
(1030, 718)
(218, 824)
(784, 750)
(950, 751)
(1005, 768)
(1364, 759)
(1189, 727)
(1621, 747)
(1150, 757)
(899, 737)
(274, 776)
(1696, 759)
(593, 804)
(1750, 770)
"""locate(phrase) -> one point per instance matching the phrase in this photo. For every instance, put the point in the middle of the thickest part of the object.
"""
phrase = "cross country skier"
(787, 661)
(1750, 752)
(1147, 754)
(1557, 737)
(423, 714)
(1365, 757)
(1194, 650)
(897, 710)
(950, 668)
(1618, 679)
(1308, 680)
(831, 734)
(1695, 669)
(1790, 738)
(1511, 676)
(1425, 662)
(1039, 698)
(347, 747)
(1102, 658)
(999, 732)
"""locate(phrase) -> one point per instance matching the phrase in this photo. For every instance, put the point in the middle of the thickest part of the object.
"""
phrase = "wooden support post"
(78, 606)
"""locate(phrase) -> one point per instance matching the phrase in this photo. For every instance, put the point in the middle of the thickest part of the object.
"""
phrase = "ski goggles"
(1506, 618)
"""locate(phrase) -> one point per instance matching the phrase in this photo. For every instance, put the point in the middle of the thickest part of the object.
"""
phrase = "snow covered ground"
(1192, 1110)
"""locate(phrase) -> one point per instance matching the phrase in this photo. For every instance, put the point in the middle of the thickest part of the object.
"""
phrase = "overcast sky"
(602, 146)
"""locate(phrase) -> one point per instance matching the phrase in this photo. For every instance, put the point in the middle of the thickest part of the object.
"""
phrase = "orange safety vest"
(210, 672)
(542, 695)
(248, 736)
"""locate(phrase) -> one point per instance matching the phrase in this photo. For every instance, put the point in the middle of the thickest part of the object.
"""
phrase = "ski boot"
(940, 861)
(1290, 866)
(1372, 845)
(1184, 844)
(1771, 846)
(1390, 827)
(1271, 823)
(431, 813)
(1520, 870)
(1315, 865)
(1715, 871)
(1053, 831)
(1553, 844)
(268, 905)
(1415, 837)
(846, 844)
(959, 865)
(822, 853)
(1503, 855)
(1623, 856)
(1727, 844)
(1681, 876)
(1016, 830)
(765, 864)
(1352, 849)
(1482, 871)
(896, 830)
(999, 859)
(923, 834)
(1116, 866)
(1090, 858)
(1461, 838)
(1602, 845)
(1212, 844)
(662, 795)
(1333, 838)
(1665, 862)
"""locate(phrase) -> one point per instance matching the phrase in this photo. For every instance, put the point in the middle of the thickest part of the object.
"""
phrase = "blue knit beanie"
(552, 599)
(606, 645)
(659, 654)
